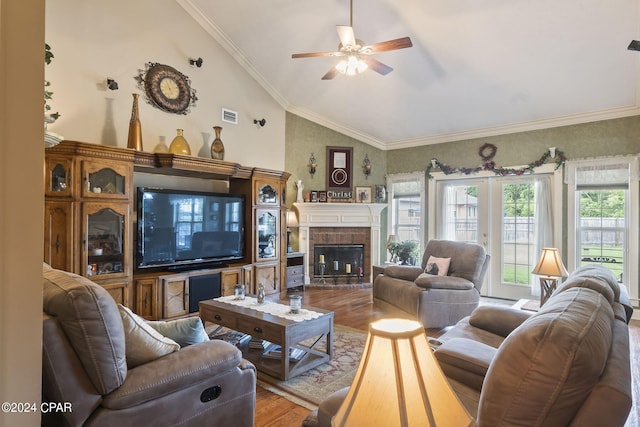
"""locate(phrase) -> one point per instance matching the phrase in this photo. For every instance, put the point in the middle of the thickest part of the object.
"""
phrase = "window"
(603, 201)
(406, 200)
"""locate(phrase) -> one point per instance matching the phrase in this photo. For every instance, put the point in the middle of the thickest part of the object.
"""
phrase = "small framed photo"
(314, 197)
(363, 194)
(322, 196)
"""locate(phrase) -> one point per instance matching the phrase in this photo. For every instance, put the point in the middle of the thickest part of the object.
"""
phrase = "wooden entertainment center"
(90, 225)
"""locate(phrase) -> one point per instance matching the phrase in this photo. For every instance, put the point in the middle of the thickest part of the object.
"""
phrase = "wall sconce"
(112, 84)
(259, 123)
(313, 165)
(196, 62)
(366, 167)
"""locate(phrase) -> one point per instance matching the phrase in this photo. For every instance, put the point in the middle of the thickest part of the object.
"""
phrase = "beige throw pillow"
(437, 266)
(143, 343)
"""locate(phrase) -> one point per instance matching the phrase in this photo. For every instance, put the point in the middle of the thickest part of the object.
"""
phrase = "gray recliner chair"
(435, 300)
(84, 365)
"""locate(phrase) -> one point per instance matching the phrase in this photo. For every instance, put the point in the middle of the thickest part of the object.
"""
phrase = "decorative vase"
(179, 145)
(217, 147)
(135, 128)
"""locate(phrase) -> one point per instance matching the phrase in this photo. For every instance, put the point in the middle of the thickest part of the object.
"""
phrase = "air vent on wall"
(229, 116)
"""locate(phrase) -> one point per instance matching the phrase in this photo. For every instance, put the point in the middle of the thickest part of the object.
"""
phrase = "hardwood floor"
(355, 308)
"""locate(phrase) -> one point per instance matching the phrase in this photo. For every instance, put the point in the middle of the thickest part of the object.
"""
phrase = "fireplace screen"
(338, 260)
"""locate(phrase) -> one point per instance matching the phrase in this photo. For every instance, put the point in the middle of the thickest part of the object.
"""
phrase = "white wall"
(93, 40)
(21, 205)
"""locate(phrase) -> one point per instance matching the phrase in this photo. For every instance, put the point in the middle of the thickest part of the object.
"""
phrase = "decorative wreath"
(487, 152)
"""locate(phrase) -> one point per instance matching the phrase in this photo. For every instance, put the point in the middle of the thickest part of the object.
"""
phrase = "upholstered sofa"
(87, 364)
(436, 296)
(566, 365)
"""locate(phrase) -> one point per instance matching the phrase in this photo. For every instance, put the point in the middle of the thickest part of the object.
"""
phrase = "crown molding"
(228, 45)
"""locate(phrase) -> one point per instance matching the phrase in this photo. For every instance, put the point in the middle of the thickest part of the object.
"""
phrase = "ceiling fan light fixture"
(351, 66)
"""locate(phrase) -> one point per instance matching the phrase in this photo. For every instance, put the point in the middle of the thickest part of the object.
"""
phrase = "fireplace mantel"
(311, 215)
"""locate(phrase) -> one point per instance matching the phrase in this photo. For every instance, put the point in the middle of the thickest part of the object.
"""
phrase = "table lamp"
(399, 382)
(292, 222)
(550, 267)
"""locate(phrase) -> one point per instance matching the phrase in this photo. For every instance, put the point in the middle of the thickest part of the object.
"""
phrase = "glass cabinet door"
(267, 234)
(105, 180)
(57, 177)
(105, 237)
(266, 194)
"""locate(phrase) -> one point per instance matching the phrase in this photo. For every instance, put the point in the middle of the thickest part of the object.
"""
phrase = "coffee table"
(305, 334)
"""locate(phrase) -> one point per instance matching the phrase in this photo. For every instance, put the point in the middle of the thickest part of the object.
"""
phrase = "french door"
(510, 216)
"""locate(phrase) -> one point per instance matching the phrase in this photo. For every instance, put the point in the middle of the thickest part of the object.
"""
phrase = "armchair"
(440, 299)
(85, 365)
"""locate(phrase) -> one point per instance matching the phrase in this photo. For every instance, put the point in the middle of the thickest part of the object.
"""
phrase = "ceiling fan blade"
(401, 43)
(315, 54)
(345, 33)
(330, 74)
(376, 65)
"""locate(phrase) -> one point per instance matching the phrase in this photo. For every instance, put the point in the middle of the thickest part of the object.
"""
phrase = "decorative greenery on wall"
(487, 152)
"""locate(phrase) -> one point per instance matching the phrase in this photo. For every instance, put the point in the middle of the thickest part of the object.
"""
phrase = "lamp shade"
(292, 219)
(550, 264)
(399, 382)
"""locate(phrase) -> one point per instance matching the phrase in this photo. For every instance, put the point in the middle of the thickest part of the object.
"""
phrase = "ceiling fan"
(357, 55)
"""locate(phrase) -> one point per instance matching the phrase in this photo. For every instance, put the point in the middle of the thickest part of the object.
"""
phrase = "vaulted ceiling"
(476, 68)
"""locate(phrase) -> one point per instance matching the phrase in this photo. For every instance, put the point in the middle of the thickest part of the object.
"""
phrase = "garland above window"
(487, 152)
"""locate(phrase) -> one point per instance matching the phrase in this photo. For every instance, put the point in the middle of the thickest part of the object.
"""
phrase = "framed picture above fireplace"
(363, 194)
(339, 168)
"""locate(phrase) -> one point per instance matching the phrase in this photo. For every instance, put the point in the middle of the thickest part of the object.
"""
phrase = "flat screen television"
(181, 229)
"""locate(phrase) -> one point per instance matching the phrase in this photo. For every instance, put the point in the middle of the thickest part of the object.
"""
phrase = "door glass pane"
(518, 244)
(267, 225)
(461, 213)
(105, 232)
(602, 229)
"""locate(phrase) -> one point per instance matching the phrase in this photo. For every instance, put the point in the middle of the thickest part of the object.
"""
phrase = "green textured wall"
(604, 138)
(304, 137)
(596, 139)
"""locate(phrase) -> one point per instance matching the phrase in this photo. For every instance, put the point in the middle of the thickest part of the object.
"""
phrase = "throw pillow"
(186, 331)
(437, 266)
(143, 343)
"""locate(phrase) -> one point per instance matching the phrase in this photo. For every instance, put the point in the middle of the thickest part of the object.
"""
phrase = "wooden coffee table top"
(286, 332)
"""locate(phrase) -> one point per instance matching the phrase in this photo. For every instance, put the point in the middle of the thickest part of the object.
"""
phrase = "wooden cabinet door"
(58, 235)
(106, 240)
(231, 277)
(268, 275)
(106, 179)
(118, 290)
(57, 177)
(146, 304)
(175, 295)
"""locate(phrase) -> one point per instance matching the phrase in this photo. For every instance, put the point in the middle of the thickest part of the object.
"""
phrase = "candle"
(335, 265)
(359, 270)
(347, 268)
(321, 259)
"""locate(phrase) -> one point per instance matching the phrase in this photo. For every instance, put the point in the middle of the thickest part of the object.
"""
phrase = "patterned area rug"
(312, 387)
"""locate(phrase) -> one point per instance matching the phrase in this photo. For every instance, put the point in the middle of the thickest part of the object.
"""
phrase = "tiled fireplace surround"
(339, 223)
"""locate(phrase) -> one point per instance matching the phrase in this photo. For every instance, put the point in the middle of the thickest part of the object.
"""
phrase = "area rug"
(312, 387)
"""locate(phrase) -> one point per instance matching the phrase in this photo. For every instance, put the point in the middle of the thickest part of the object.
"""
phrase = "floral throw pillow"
(437, 266)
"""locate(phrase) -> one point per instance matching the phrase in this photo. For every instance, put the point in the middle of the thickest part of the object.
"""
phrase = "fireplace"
(329, 226)
(340, 261)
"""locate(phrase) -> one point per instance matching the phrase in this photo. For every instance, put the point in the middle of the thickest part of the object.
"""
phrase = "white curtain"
(446, 224)
(543, 227)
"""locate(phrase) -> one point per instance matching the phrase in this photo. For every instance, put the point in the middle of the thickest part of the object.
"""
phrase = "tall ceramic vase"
(217, 147)
(179, 145)
(135, 128)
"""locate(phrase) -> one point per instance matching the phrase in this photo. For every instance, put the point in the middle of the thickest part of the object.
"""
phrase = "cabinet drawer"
(295, 270)
(261, 330)
(212, 315)
(295, 280)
